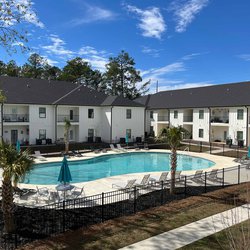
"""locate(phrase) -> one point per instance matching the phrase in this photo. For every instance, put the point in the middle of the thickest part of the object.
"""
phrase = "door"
(14, 136)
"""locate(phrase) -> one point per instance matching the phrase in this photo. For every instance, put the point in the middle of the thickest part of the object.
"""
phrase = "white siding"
(120, 123)
(176, 121)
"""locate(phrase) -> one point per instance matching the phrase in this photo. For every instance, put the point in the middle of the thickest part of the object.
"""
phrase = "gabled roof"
(37, 91)
(224, 95)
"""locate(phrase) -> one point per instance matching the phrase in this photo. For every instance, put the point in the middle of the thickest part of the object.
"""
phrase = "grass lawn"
(127, 230)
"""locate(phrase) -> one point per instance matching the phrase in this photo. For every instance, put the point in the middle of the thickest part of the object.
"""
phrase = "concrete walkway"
(192, 232)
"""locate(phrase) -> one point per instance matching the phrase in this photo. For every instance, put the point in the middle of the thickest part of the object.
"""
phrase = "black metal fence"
(41, 222)
(217, 148)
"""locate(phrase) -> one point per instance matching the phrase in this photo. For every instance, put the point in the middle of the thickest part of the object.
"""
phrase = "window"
(201, 114)
(128, 133)
(42, 112)
(42, 134)
(239, 135)
(201, 133)
(128, 114)
(71, 115)
(175, 114)
(90, 132)
(91, 113)
(240, 113)
(151, 114)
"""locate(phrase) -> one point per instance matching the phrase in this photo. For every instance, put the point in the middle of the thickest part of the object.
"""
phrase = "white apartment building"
(213, 113)
(35, 110)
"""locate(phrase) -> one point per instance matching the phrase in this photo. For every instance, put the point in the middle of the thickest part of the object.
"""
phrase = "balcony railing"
(188, 118)
(62, 118)
(219, 119)
(16, 118)
(163, 118)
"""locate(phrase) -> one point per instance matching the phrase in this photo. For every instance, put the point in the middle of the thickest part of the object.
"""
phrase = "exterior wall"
(86, 123)
(105, 124)
(176, 121)
(201, 124)
(22, 131)
(237, 125)
(120, 123)
(37, 123)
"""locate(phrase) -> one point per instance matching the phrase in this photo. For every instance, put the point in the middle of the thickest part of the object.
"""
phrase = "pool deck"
(105, 184)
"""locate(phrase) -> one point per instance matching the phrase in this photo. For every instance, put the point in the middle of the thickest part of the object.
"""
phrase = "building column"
(55, 123)
(111, 118)
(209, 126)
(247, 127)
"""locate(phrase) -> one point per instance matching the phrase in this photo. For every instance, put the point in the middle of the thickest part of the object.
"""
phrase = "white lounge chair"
(144, 182)
(162, 178)
(76, 193)
(213, 176)
(39, 156)
(113, 148)
(119, 147)
(129, 184)
(197, 177)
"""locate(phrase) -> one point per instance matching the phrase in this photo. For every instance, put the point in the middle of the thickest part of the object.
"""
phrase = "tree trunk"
(8, 206)
(173, 169)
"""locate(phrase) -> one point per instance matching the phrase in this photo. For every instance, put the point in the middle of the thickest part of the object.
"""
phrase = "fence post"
(238, 174)
(102, 207)
(200, 146)
(223, 177)
(63, 215)
(223, 149)
(161, 192)
(237, 152)
(135, 199)
(205, 182)
(189, 145)
(210, 148)
(185, 187)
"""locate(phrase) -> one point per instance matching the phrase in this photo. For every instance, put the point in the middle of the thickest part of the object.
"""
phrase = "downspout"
(168, 117)
(111, 118)
(247, 128)
(55, 123)
(144, 122)
(209, 127)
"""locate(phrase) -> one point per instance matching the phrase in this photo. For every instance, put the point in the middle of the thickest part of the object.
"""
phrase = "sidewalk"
(192, 232)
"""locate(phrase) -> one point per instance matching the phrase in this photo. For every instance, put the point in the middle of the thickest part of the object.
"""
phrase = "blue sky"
(179, 43)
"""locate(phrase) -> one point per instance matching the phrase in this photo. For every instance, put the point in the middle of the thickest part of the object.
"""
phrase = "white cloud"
(150, 51)
(151, 21)
(93, 14)
(18, 8)
(245, 57)
(185, 12)
(57, 47)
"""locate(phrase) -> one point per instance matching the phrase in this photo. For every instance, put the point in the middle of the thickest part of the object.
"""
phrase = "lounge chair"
(213, 176)
(144, 182)
(42, 192)
(104, 150)
(129, 184)
(136, 147)
(146, 146)
(197, 177)
(119, 147)
(162, 178)
(113, 148)
(37, 154)
(77, 154)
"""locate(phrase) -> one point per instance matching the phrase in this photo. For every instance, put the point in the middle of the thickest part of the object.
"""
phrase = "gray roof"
(223, 95)
(37, 91)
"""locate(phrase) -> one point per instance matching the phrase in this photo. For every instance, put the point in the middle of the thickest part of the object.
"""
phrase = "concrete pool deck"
(105, 184)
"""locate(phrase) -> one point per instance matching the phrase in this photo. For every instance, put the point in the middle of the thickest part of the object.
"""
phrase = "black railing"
(41, 222)
(163, 118)
(188, 118)
(16, 118)
(62, 118)
(219, 119)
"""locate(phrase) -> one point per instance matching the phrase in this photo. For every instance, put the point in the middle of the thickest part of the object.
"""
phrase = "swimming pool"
(111, 165)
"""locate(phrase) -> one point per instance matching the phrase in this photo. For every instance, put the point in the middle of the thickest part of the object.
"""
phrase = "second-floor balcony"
(219, 119)
(62, 118)
(16, 118)
(188, 118)
(163, 118)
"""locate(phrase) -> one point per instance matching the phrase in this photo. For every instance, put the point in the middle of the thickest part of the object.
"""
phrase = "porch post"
(209, 125)
(55, 123)
(247, 120)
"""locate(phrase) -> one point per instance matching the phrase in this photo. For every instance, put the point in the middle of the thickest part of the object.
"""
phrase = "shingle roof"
(224, 95)
(37, 91)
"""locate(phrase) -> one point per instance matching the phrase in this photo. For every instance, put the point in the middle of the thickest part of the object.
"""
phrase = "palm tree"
(67, 126)
(173, 136)
(14, 165)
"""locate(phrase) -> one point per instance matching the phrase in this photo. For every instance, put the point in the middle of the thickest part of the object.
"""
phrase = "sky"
(175, 43)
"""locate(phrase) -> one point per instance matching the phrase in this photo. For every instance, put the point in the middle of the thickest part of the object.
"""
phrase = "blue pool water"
(110, 165)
